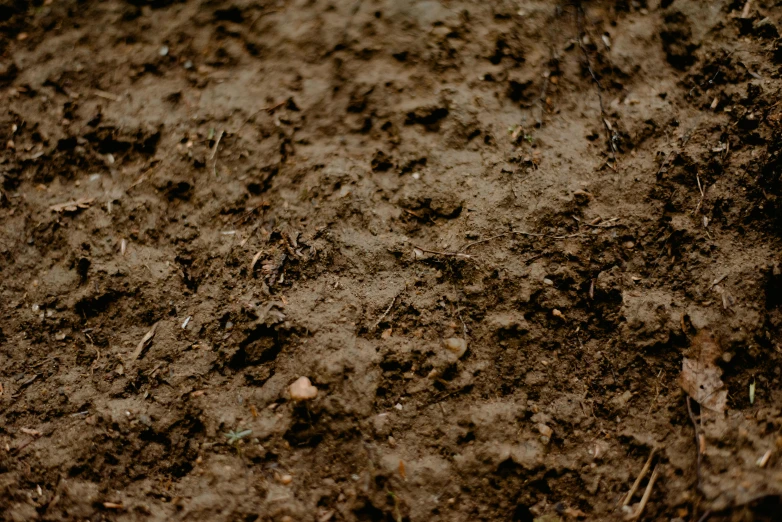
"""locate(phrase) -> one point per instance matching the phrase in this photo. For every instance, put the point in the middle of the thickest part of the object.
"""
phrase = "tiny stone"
(163, 51)
(547, 281)
(286, 479)
(456, 345)
(544, 430)
(302, 390)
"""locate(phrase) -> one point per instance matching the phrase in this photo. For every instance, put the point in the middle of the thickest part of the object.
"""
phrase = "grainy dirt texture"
(203, 201)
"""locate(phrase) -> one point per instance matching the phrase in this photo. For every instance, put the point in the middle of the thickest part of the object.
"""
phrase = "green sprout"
(236, 436)
(397, 512)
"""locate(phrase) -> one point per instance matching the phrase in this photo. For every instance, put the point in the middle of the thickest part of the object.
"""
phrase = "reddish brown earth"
(330, 189)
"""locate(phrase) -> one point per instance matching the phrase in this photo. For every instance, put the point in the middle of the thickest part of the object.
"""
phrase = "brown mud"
(203, 201)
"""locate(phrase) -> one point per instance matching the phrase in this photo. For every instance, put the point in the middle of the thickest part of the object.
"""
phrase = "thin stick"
(436, 252)
(641, 475)
(703, 194)
(697, 441)
(380, 320)
(217, 144)
(706, 515)
(647, 494)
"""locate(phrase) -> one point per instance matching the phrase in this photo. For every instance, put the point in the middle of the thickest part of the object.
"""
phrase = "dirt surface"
(204, 201)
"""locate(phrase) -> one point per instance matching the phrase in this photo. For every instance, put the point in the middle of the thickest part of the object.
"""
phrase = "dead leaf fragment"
(701, 377)
(73, 205)
(256, 257)
(145, 341)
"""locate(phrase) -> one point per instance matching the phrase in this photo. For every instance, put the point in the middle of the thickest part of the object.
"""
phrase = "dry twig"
(439, 253)
(703, 194)
(697, 441)
(217, 144)
(637, 482)
(380, 319)
(645, 498)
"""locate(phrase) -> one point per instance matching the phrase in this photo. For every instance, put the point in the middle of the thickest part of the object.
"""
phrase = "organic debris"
(701, 377)
(143, 343)
(73, 206)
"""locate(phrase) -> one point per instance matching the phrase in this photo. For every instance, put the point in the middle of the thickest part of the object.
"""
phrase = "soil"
(204, 201)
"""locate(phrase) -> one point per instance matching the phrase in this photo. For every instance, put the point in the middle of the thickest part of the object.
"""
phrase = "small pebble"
(544, 430)
(456, 345)
(548, 282)
(302, 390)
(286, 479)
(163, 51)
